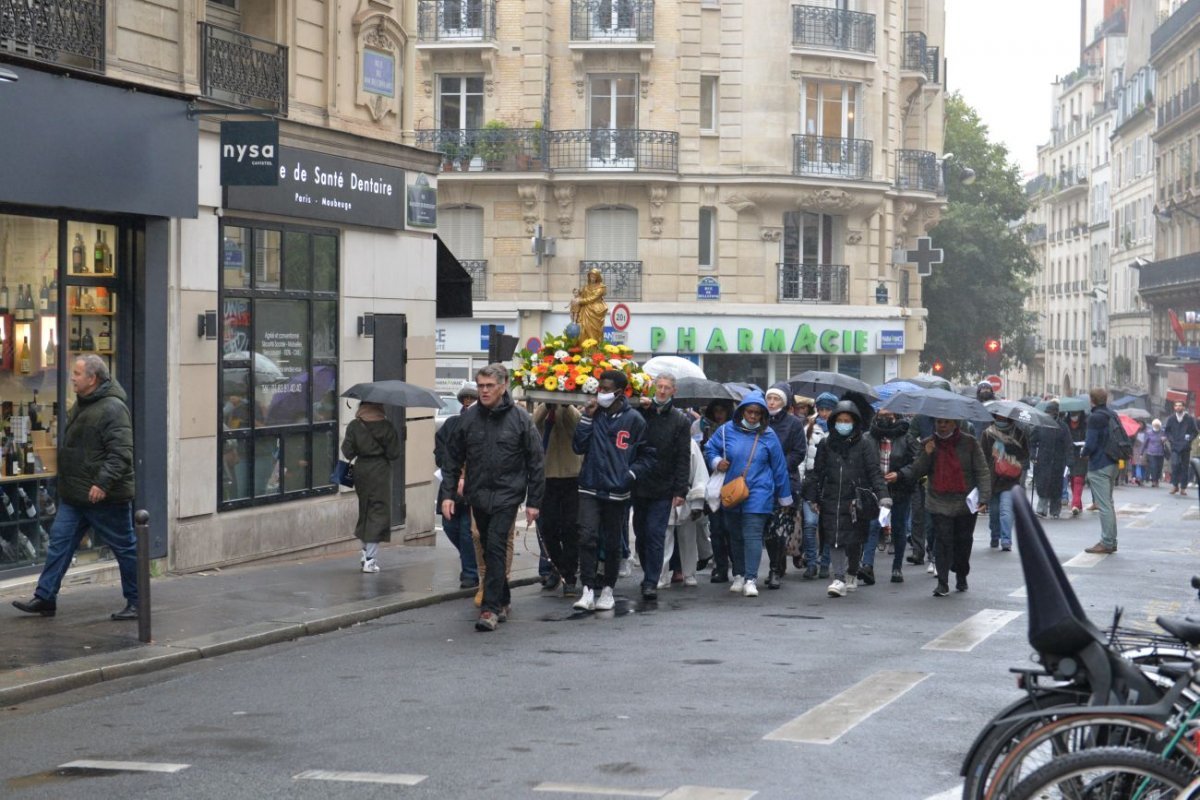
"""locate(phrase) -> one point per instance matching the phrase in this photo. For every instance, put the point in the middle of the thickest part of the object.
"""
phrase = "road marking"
(949, 794)
(1154, 610)
(607, 791)
(1140, 523)
(393, 778)
(1139, 509)
(1072, 578)
(124, 766)
(1085, 560)
(1194, 513)
(826, 723)
(966, 635)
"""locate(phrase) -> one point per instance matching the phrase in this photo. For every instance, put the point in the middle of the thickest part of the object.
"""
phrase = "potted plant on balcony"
(531, 162)
(451, 151)
(494, 145)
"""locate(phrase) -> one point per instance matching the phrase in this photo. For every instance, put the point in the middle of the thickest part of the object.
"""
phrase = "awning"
(453, 285)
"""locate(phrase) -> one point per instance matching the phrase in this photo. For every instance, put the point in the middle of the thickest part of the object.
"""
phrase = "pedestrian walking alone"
(956, 467)
(1053, 450)
(1102, 469)
(1156, 451)
(95, 487)
(501, 453)
(611, 437)
(746, 449)
(458, 527)
(845, 472)
(372, 445)
(1180, 430)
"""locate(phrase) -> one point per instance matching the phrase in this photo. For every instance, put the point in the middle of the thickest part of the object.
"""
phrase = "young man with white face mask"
(611, 437)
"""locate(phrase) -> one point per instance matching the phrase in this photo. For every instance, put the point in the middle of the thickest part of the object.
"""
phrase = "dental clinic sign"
(315, 185)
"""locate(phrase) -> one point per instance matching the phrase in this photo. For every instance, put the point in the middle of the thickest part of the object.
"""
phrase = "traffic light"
(500, 346)
(938, 367)
(993, 352)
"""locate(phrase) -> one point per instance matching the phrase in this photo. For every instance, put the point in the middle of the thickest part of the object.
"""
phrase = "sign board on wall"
(320, 186)
(249, 152)
(891, 340)
(422, 203)
(708, 289)
(379, 73)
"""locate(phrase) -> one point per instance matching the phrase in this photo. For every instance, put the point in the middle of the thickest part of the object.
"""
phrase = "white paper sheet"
(973, 501)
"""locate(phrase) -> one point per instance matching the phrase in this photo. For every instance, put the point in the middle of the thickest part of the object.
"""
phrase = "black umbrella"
(813, 382)
(1024, 415)
(702, 389)
(938, 404)
(1068, 404)
(740, 390)
(394, 393)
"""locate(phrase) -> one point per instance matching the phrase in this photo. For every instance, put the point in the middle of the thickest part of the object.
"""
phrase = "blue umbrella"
(886, 390)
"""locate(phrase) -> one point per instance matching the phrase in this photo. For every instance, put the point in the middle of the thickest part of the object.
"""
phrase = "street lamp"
(1167, 212)
(965, 174)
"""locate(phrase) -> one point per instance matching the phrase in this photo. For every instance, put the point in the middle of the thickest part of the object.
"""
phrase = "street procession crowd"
(825, 482)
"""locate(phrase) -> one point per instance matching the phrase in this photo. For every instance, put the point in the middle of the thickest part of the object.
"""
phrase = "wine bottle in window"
(88, 343)
(78, 255)
(102, 256)
(86, 301)
(44, 297)
(4, 297)
(53, 295)
(51, 351)
(27, 303)
(76, 341)
(26, 362)
(104, 340)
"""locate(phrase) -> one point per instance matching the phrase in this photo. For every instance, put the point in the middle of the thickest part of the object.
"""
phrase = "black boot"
(719, 575)
(47, 608)
(772, 580)
(129, 612)
(867, 575)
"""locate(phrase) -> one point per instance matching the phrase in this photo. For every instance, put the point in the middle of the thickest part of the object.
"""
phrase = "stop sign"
(996, 383)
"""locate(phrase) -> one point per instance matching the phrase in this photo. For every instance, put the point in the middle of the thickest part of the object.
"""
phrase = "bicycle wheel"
(1106, 773)
(1075, 733)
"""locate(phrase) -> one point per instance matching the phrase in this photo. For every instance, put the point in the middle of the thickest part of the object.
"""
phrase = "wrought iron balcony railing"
(477, 269)
(243, 70)
(456, 21)
(814, 283)
(613, 150)
(917, 170)
(622, 279)
(1170, 273)
(490, 149)
(933, 64)
(1036, 234)
(1183, 102)
(69, 33)
(826, 156)
(620, 21)
(833, 29)
(916, 52)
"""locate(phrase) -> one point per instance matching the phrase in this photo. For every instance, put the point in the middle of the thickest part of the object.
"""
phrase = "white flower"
(560, 355)
(616, 363)
(591, 385)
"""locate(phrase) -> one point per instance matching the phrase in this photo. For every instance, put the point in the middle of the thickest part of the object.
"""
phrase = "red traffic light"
(992, 346)
(938, 367)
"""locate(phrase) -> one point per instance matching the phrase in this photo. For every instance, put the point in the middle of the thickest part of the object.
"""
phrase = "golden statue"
(588, 308)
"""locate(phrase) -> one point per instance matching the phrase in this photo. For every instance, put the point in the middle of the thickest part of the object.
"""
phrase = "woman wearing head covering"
(746, 447)
(1052, 449)
(1078, 464)
(1155, 452)
(372, 444)
(1006, 448)
(846, 466)
(794, 441)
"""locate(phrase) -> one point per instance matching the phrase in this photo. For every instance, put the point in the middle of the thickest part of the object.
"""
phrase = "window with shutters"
(611, 246)
(461, 228)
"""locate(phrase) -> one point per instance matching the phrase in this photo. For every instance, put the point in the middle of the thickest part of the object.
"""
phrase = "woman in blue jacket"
(747, 447)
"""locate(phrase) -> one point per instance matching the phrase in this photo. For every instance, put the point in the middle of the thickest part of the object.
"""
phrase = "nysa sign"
(249, 153)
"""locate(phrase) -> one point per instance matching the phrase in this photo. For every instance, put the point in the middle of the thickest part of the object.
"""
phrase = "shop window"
(279, 376)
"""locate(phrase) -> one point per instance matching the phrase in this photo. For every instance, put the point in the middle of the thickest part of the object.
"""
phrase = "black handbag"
(866, 504)
(343, 474)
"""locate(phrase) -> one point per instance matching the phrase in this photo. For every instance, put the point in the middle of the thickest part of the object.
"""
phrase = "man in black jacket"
(897, 448)
(611, 437)
(1180, 429)
(668, 432)
(499, 448)
(95, 487)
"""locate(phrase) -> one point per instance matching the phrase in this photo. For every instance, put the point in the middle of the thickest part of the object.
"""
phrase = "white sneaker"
(739, 582)
(606, 601)
(852, 583)
(689, 580)
(664, 582)
(836, 589)
(586, 601)
(626, 568)
(750, 589)
(370, 565)
(931, 569)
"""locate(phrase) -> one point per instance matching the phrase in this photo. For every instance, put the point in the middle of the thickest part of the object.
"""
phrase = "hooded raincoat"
(765, 471)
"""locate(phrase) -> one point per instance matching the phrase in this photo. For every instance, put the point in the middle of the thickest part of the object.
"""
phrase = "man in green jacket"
(95, 486)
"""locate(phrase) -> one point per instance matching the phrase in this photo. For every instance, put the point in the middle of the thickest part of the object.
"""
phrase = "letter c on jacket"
(622, 440)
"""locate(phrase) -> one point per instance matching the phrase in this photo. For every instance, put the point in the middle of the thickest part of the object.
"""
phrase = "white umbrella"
(673, 365)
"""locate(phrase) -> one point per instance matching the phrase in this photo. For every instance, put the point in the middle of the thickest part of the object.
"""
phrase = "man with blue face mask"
(611, 437)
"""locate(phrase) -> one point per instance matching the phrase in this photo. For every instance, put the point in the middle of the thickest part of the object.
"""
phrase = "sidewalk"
(205, 614)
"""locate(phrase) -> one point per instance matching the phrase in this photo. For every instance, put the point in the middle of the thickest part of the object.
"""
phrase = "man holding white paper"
(958, 478)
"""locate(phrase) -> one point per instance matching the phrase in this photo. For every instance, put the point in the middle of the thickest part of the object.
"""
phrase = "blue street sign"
(891, 340)
(708, 289)
(483, 335)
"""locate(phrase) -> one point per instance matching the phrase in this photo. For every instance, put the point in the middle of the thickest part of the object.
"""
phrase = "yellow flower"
(560, 369)
(586, 343)
(551, 383)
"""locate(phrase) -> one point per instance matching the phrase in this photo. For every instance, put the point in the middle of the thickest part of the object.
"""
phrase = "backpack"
(1119, 447)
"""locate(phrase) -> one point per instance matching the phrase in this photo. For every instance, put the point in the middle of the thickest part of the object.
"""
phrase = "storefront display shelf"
(91, 312)
(5, 479)
(93, 352)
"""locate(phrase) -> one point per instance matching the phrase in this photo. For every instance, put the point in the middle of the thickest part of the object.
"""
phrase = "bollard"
(141, 520)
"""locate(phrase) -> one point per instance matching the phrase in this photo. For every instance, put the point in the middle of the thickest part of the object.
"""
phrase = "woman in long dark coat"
(372, 440)
(846, 460)
(1053, 450)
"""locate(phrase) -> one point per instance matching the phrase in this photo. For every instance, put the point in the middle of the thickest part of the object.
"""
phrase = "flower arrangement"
(564, 364)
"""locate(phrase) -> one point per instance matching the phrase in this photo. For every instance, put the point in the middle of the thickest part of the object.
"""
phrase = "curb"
(22, 685)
